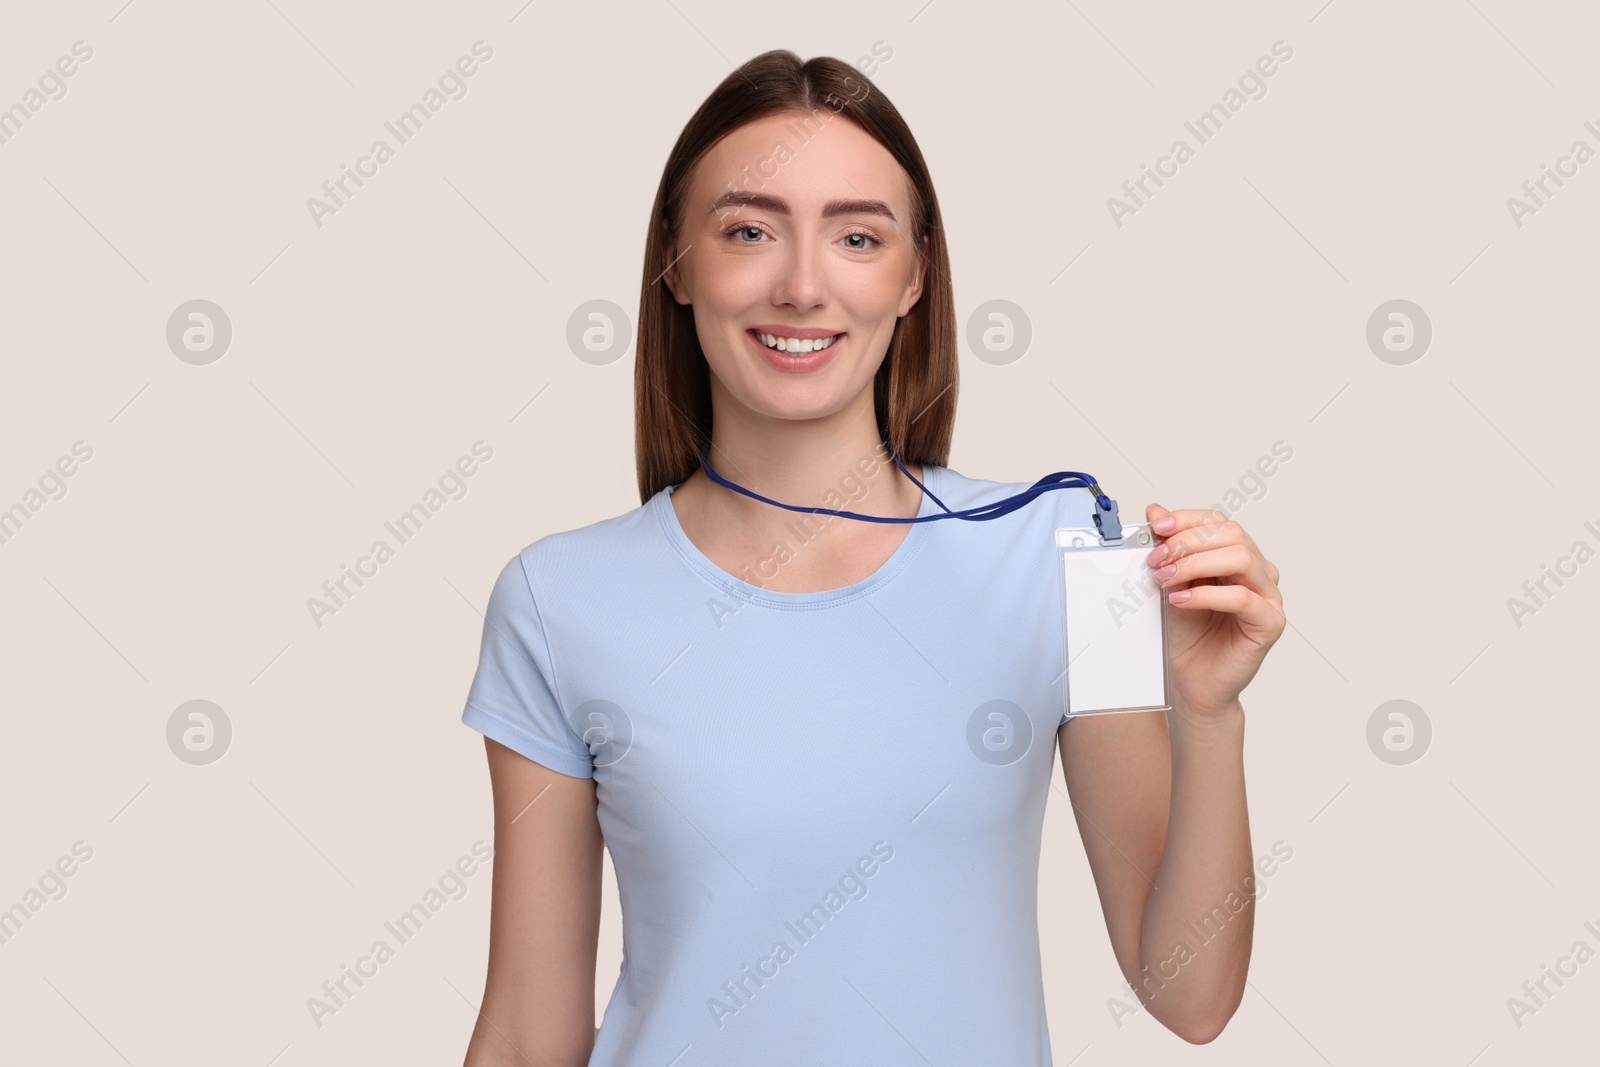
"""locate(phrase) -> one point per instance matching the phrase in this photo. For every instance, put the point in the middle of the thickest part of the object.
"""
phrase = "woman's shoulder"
(611, 541)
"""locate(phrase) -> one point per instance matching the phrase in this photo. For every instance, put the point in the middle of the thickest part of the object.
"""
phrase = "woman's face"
(811, 236)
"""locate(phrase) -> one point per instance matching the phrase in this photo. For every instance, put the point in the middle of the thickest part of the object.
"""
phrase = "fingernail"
(1162, 525)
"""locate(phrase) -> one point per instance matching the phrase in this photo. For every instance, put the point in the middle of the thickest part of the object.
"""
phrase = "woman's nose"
(802, 282)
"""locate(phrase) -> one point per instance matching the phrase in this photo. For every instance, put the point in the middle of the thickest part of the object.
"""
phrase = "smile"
(796, 355)
(799, 346)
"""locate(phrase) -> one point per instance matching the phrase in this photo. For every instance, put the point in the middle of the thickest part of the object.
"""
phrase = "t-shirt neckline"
(735, 586)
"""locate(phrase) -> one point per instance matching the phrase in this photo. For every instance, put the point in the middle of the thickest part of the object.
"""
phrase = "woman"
(814, 745)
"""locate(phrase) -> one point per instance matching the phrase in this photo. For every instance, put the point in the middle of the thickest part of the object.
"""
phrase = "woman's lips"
(795, 363)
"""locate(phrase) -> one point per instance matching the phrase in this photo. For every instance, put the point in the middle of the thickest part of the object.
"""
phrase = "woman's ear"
(670, 278)
(669, 269)
(915, 292)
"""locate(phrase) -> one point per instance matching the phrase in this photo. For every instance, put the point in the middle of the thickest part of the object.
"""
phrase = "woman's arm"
(544, 918)
(1161, 810)
(1160, 797)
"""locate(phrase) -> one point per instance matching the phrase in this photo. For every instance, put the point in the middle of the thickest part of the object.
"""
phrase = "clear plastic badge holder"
(1114, 617)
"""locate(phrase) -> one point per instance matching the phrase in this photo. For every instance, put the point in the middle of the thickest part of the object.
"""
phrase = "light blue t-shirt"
(824, 809)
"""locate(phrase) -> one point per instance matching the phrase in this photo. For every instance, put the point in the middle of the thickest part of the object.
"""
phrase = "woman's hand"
(1227, 610)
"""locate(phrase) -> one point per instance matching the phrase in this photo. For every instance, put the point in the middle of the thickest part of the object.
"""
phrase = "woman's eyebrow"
(781, 206)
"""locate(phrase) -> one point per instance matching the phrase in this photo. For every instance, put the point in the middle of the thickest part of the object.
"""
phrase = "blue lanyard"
(1105, 509)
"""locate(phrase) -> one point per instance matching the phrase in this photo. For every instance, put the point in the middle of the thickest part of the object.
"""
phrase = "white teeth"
(794, 344)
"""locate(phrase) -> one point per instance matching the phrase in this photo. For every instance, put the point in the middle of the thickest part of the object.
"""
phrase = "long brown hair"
(914, 393)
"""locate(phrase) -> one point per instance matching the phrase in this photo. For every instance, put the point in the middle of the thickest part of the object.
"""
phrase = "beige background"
(431, 312)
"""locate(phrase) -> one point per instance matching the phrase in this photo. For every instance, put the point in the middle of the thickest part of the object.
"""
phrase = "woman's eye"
(736, 234)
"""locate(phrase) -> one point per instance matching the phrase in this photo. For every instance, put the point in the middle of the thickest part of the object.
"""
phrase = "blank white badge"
(1114, 618)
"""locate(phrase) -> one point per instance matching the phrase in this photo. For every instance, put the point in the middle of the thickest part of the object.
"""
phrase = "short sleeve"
(513, 698)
